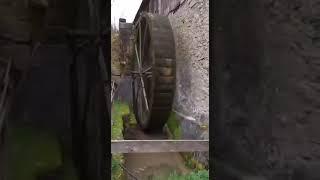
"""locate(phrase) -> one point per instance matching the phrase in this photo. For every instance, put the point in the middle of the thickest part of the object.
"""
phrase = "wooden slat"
(158, 146)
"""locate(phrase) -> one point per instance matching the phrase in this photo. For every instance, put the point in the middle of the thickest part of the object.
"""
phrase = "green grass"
(119, 110)
(195, 175)
(34, 151)
(117, 171)
(198, 175)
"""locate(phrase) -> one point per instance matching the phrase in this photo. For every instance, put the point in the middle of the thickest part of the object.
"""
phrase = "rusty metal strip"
(158, 146)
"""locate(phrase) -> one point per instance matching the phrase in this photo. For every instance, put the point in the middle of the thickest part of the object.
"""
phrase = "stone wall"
(190, 23)
(267, 88)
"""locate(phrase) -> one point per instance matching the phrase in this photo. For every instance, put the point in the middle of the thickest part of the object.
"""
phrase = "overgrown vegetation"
(195, 175)
(119, 110)
(192, 163)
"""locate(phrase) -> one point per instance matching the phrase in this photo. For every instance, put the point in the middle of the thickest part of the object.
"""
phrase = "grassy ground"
(194, 175)
(118, 111)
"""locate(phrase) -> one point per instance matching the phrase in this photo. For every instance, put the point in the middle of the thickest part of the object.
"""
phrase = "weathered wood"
(158, 146)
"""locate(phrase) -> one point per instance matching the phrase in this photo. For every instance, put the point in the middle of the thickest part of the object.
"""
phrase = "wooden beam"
(158, 146)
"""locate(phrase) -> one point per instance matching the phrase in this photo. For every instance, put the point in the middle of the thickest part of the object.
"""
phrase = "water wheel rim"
(159, 52)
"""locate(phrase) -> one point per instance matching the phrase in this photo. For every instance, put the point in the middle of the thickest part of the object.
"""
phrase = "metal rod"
(144, 35)
(143, 72)
(140, 49)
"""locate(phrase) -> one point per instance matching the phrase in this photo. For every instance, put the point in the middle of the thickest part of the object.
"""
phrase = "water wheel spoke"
(144, 42)
(112, 90)
(136, 92)
(138, 60)
(141, 80)
(139, 100)
(144, 93)
(147, 70)
(140, 45)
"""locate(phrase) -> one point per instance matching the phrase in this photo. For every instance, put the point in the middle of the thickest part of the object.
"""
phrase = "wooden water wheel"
(154, 71)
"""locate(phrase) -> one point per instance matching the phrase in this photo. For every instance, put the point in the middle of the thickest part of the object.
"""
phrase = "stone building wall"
(267, 88)
(190, 23)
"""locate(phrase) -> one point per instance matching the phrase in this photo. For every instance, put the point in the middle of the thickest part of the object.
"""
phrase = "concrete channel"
(146, 166)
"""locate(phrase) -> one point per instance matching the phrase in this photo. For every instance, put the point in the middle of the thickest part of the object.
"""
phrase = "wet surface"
(147, 166)
(124, 91)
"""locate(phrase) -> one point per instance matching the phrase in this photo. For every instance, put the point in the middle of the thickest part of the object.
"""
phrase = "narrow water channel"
(151, 166)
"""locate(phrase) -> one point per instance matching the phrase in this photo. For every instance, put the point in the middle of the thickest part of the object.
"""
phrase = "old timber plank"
(158, 146)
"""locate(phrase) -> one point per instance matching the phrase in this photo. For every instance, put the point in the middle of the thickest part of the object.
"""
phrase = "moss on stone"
(174, 126)
(133, 121)
(31, 152)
